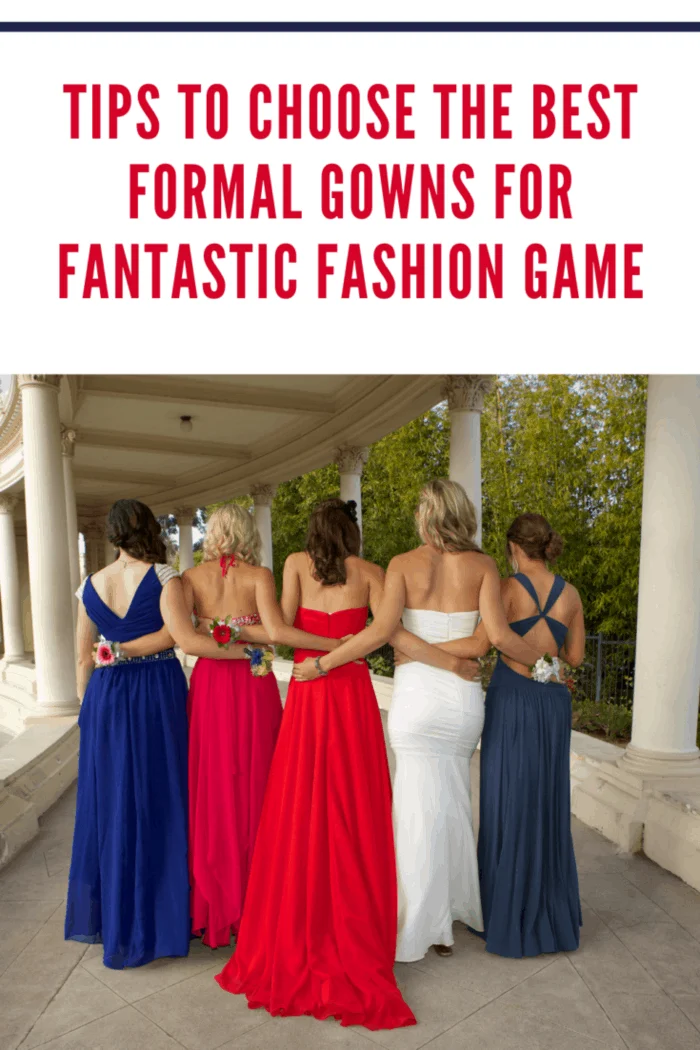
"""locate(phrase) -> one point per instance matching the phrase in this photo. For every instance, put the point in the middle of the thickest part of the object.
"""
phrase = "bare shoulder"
(402, 562)
(260, 572)
(296, 560)
(375, 572)
(484, 562)
(201, 571)
(572, 594)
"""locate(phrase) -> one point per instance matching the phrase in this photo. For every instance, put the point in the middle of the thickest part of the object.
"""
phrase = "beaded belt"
(129, 661)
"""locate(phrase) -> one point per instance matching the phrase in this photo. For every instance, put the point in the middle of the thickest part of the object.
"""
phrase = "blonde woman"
(234, 719)
(439, 591)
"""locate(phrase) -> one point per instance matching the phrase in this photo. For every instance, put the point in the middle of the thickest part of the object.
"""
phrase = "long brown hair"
(132, 526)
(333, 536)
(536, 537)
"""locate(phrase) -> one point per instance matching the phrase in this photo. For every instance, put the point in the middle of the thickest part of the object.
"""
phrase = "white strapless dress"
(435, 723)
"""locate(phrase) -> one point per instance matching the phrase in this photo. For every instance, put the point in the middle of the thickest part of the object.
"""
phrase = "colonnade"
(667, 679)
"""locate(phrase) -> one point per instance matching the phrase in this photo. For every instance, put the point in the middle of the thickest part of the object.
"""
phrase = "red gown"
(234, 721)
(318, 934)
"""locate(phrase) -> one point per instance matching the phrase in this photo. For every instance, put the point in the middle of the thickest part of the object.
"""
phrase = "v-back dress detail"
(319, 926)
(435, 722)
(234, 719)
(128, 883)
(529, 884)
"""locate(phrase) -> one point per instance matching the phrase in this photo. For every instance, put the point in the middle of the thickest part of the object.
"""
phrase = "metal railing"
(607, 672)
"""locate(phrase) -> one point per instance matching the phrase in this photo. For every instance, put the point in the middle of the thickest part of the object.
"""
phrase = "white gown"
(435, 723)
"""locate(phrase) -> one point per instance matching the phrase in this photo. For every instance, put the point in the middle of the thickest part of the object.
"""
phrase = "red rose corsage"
(224, 632)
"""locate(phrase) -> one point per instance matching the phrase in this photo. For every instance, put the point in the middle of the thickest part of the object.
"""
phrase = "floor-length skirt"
(319, 928)
(529, 884)
(234, 720)
(435, 722)
(128, 883)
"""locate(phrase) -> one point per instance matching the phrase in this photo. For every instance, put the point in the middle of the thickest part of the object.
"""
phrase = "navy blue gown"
(128, 886)
(527, 868)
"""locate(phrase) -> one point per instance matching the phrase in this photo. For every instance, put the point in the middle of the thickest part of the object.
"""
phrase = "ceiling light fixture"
(186, 423)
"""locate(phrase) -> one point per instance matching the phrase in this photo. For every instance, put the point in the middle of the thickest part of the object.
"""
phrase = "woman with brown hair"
(319, 926)
(128, 883)
(529, 886)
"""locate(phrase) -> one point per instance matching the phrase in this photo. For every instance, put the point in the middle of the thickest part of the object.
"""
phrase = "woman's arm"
(178, 622)
(415, 648)
(574, 649)
(86, 636)
(148, 644)
(386, 618)
(291, 589)
(495, 621)
(279, 632)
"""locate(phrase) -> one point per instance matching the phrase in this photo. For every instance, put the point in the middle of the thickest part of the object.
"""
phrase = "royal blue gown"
(527, 868)
(128, 886)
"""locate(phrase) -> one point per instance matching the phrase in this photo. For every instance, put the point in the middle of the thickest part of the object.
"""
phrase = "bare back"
(118, 583)
(442, 582)
(520, 605)
(362, 587)
(210, 594)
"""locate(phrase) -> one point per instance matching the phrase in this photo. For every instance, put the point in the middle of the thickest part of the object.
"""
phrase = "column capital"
(184, 515)
(68, 436)
(263, 494)
(351, 459)
(8, 502)
(466, 393)
(35, 380)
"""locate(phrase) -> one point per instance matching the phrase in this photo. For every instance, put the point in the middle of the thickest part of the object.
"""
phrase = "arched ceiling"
(246, 430)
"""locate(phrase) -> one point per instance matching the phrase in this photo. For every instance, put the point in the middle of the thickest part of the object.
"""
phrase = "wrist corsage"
(547, 669)
(261, 657)
(224, 632)
(107, 654)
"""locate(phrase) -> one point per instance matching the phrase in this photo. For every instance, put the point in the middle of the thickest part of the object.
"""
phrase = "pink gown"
(234, 719)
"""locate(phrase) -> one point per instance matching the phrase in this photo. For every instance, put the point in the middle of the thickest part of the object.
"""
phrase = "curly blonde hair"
(446, 517)
(231, 530)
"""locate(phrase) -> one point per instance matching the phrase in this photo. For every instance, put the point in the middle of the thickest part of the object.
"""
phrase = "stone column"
(351, 460)
(650, 796)
(47, 542)
(465, 400)
(184, 516)
(68, 451)
(667, 671)
(9, 582)
(263, 496)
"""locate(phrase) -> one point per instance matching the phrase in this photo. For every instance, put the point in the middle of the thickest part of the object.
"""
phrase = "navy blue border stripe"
(349, 27)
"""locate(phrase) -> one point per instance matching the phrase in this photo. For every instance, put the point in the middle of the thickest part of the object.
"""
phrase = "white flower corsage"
(547, 669)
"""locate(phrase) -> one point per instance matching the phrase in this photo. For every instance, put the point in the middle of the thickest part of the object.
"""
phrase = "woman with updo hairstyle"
(128, 884)
(234, 718)
(529, 885)
(319, 927)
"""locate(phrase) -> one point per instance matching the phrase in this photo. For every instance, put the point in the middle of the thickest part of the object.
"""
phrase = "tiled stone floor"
(635, 981)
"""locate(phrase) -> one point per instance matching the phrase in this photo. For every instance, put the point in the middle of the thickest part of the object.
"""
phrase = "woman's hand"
(470, 670)
(306, 671)
(400, 659)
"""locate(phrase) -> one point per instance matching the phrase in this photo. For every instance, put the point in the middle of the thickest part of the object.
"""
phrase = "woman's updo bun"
(132, 527)
(553, 548)
(535, 536)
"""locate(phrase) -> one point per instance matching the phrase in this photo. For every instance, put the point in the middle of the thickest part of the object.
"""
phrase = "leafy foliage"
(569, 447)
